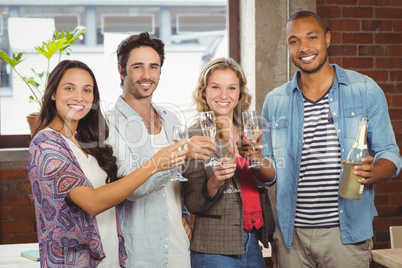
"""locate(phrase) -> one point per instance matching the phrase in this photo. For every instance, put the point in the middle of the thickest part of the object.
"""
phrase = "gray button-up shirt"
(144, 215)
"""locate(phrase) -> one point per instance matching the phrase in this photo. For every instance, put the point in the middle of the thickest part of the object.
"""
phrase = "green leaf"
(41, 75)
(14, 61)
(72, 37)
(31, 81)
(49, 48)
(60, 43)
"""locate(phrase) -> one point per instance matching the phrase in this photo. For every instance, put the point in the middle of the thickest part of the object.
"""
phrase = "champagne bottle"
(350, 187)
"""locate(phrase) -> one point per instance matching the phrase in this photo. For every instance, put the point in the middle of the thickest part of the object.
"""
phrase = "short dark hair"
(306, 14)
(143, 39)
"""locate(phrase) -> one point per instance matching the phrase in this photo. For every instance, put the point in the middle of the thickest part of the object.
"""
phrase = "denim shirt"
(144, 214)
(351, 96)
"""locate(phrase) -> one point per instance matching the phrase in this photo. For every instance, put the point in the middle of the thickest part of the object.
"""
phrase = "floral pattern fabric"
(68, 236)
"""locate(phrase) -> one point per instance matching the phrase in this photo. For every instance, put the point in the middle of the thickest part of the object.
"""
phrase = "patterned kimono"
(68, 236)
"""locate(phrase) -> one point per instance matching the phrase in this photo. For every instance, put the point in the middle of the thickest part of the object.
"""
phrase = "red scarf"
(252, 212)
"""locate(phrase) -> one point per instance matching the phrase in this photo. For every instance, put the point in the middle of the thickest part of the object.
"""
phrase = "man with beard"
(310, 124)
(153, 220)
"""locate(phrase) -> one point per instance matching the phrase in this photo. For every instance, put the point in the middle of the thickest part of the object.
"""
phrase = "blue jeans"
(251, 258)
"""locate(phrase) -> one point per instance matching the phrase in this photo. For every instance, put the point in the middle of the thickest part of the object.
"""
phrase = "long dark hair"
(92, 130)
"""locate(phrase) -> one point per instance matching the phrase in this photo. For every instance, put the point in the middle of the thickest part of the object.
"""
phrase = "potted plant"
(37, 83)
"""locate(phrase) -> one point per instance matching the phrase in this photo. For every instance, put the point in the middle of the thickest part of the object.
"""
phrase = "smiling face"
(143, 72)
(74, 95)
(222, 92)
(307, 43)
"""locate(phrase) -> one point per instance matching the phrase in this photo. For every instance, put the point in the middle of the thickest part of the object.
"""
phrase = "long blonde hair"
(200, 102)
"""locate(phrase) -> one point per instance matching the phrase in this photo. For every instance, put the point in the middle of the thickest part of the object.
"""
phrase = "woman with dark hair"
(73, 174)
(228, 226)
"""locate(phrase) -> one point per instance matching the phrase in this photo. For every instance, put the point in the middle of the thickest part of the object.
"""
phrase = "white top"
(106, 221)
(179, 244)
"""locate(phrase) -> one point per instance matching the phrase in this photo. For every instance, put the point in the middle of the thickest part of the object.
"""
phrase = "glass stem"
(230, 183)
(255, 156)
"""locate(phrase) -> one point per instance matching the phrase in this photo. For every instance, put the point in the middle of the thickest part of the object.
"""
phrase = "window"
(126, 21)
(4, 77)
(187, 31)
(64, 18)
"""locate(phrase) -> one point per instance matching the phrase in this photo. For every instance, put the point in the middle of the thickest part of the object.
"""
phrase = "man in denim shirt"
(154, 222)
(323, 102)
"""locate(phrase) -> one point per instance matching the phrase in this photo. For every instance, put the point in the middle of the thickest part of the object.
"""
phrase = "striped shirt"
(317, 196)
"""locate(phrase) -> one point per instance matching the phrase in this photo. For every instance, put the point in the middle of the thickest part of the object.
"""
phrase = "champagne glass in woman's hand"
(208, 127)
(225, 149)
(250, 125)
(179, 133)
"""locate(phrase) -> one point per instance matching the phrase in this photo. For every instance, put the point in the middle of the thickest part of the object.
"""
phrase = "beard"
(136, 90)
(313, 69)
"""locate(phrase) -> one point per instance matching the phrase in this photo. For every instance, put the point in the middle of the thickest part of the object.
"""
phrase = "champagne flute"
(180, 132)
(208, 127)
(250, 125)
(225, 149)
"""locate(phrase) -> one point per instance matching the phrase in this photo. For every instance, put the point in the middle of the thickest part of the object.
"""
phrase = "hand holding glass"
(225, 149)
(250, 125)
(179, 133)
(208, 127)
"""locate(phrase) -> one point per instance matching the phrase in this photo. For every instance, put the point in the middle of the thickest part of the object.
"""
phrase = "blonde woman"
(227, 227)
